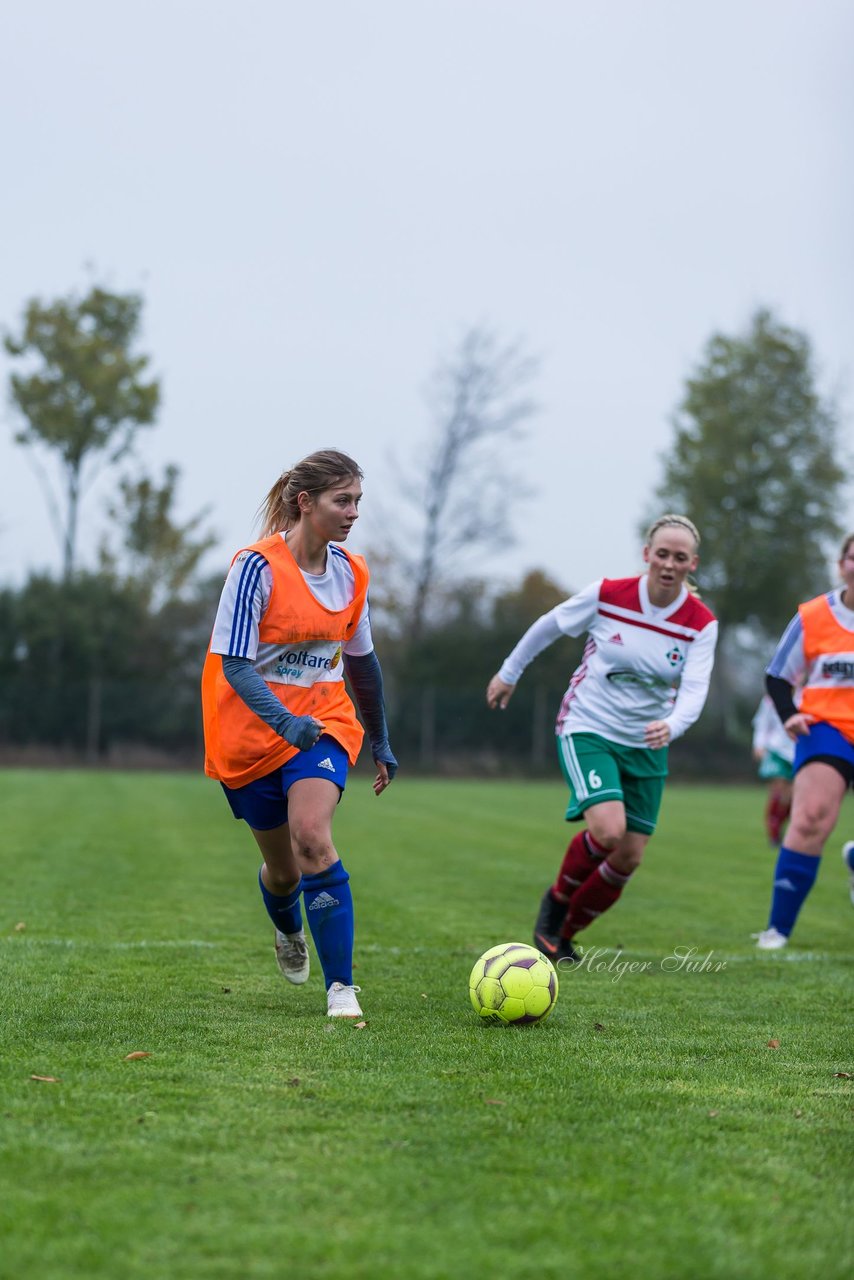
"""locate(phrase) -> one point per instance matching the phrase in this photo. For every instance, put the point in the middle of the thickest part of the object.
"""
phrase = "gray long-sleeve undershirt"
(302, 731)
(299, 731)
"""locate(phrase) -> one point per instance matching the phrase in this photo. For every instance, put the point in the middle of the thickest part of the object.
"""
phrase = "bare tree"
(462, 491)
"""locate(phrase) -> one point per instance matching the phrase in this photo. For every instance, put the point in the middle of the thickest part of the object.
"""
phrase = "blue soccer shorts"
(825, 744)
(263, 804)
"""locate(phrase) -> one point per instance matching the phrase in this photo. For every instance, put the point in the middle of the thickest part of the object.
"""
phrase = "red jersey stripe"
(647, 626)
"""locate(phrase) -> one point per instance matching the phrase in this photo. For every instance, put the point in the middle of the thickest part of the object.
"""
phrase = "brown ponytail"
(322, 470)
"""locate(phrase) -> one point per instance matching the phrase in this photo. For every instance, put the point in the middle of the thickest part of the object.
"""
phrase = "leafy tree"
(86, 663)
(757, 465)
(160, 555)
(82, 394)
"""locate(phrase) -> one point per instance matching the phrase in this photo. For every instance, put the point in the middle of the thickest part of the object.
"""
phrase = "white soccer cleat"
(292, 956)
(848, 859)
(770, 940)
(341, 1001)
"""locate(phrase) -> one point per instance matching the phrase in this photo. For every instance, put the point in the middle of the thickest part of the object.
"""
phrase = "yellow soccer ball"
(513, 984)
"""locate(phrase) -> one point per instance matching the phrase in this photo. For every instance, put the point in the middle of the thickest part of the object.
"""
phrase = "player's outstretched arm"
(539, 636)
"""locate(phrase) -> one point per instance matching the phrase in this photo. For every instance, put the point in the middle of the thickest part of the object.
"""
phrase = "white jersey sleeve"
(694, 685)
(571, 618)
(244, 598)
(762, 724)
(789, 660)
(361, 642)
(768, 731)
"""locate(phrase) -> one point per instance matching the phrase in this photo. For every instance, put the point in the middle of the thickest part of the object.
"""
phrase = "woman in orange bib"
(280, 728)
(816, 651)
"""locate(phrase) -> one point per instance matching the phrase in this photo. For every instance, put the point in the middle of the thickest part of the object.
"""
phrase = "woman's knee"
(812, 820)
(606, 831)
(628, 854)
(312, 843)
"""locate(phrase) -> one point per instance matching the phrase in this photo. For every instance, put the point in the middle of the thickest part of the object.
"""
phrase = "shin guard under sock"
(793, 879)
(283, 910)
(599, 892)
(580, 860)
(329, 910)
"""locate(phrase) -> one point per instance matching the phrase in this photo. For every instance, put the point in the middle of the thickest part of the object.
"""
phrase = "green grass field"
(648, 1129)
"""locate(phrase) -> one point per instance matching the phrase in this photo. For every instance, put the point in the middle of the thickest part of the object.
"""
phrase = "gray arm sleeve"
(299, 731)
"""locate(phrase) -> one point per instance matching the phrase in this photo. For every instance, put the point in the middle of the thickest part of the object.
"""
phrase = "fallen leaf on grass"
(226, 991)
(773, 1044)
(495, 1102)
(293, 1082)
(19, 927)
(598, 1026)
(423, 995)
(359, 1026)
(842, 1075)
(47, 1079)
(798, 1113)
(712, 1114)
(139, 1053)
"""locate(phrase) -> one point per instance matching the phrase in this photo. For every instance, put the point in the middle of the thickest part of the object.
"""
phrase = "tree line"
(102, 661)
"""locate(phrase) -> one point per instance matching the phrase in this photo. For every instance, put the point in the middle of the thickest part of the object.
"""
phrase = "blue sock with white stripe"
(793, 878)
(329, 908)
(283, 910)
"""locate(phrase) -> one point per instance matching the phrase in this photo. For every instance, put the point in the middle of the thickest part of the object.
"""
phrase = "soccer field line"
(600, 954)
(140, 944)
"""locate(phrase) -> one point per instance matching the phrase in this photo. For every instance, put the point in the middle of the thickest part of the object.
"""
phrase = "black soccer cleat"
(565, 951)
(551, 915)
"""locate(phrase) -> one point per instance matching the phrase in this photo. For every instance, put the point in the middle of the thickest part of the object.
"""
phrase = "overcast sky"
(317, 199)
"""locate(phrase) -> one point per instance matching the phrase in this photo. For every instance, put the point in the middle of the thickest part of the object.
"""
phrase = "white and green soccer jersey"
(640, 663)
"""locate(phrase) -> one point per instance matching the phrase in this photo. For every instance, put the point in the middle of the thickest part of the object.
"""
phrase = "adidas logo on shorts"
(326, 764)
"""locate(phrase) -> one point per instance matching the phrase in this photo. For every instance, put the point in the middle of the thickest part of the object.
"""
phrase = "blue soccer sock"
(793, 878)
(329, 907)
(284, 911)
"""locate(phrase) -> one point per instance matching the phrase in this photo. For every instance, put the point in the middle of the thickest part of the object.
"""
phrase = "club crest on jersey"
(675, 656)
(616, 638)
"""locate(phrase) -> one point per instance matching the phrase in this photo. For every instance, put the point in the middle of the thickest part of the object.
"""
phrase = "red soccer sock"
(599, 892)
(776, 814)
(580, 860)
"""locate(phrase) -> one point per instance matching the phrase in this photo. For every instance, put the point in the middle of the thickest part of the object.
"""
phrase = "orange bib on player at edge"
(828, 693)
(308, 677)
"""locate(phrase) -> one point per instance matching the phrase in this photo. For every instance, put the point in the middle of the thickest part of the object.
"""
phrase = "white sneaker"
(770, 940)
(341, 1001)
(292, 956)
(848, 859)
